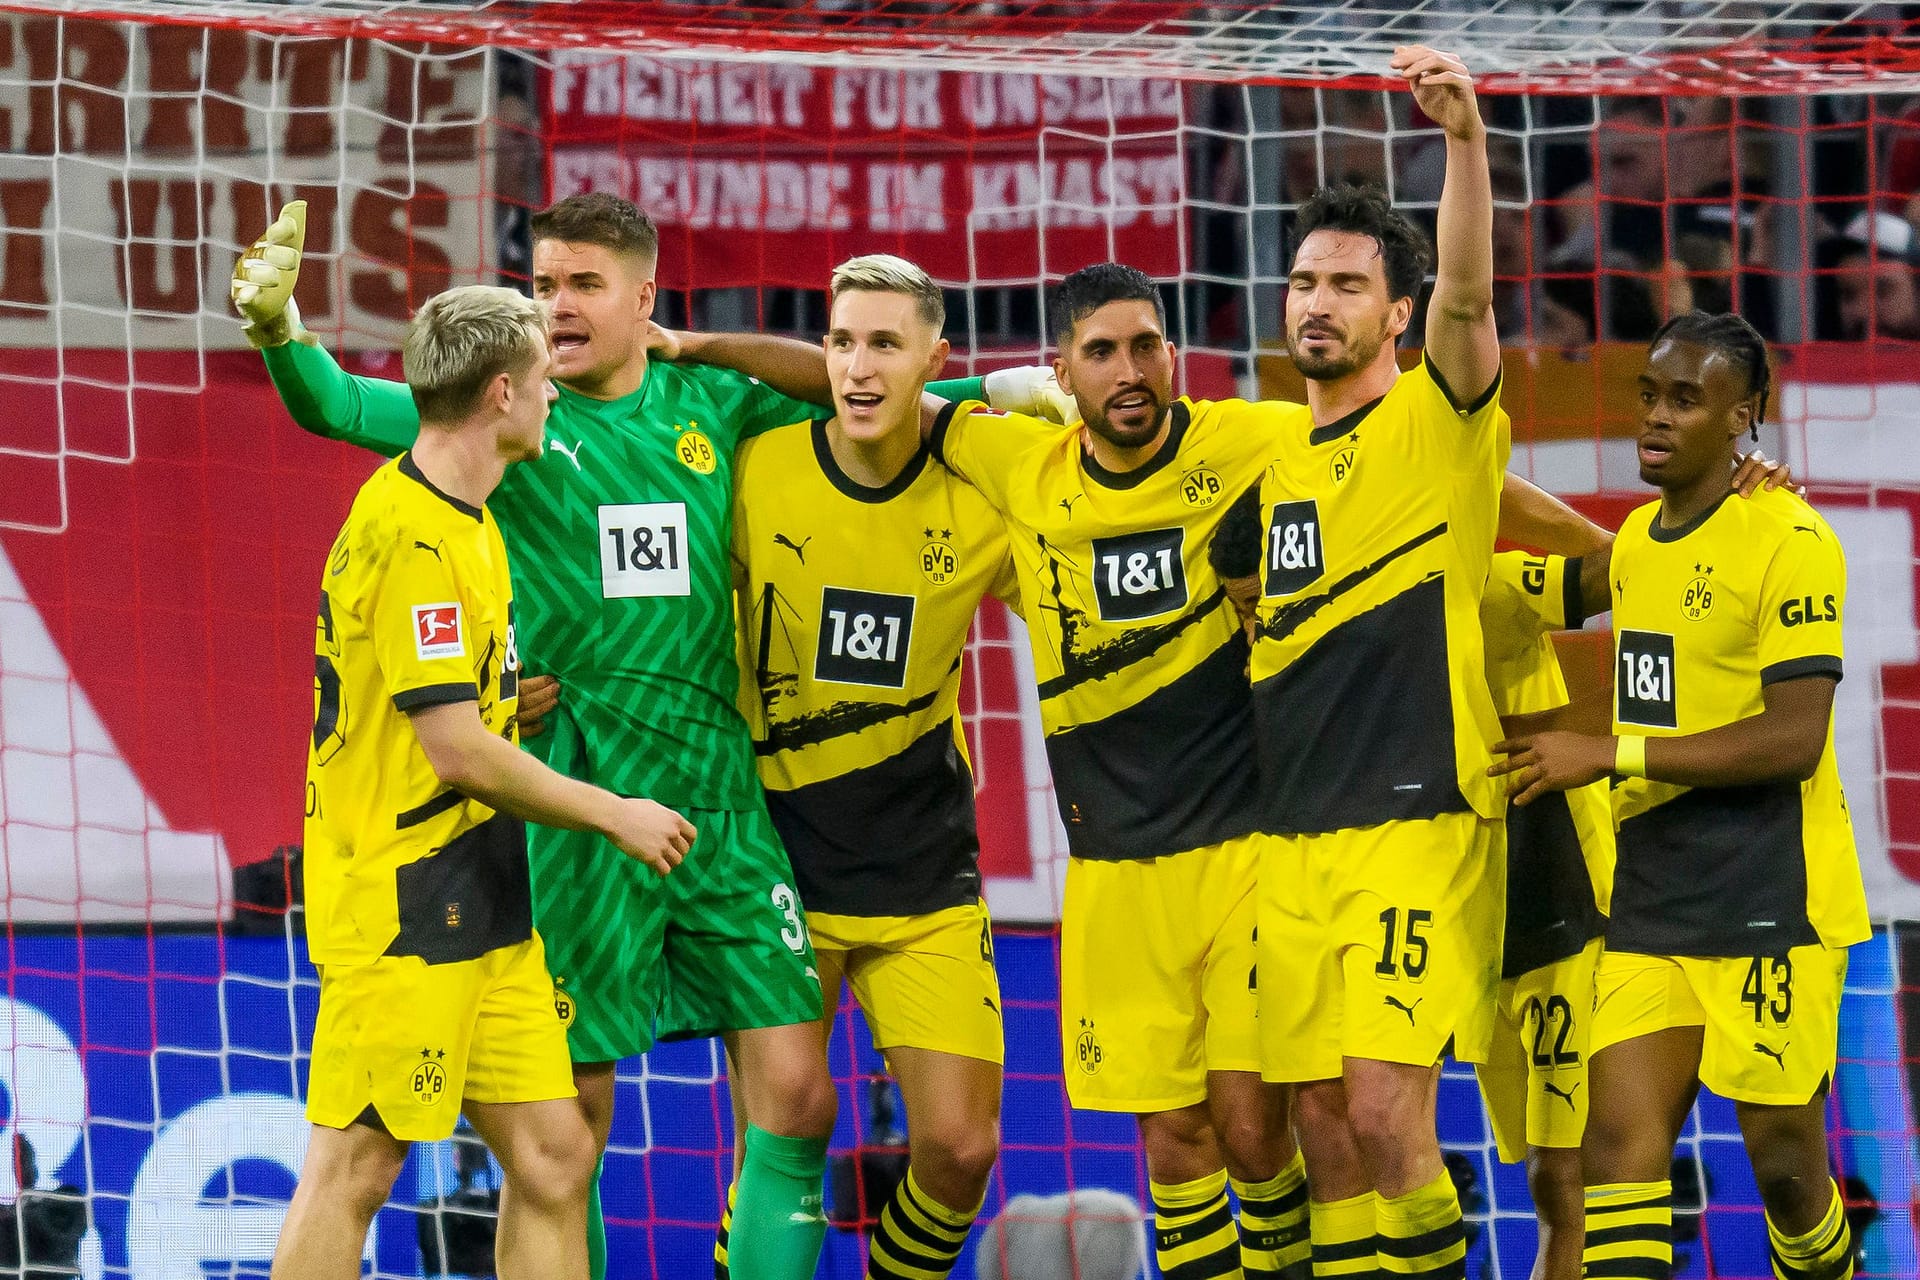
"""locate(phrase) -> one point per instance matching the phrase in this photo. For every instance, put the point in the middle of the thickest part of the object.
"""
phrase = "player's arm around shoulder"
(490, 769)
(1462, 342)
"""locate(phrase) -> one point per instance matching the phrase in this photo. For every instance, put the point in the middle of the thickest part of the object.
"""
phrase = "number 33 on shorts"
(793, 930)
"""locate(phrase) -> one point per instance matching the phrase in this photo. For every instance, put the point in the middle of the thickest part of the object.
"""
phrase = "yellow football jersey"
(1560, 847)
(855, 604)
(1705, 616)
(416, 610)
(1369, 672)
(1139, 660)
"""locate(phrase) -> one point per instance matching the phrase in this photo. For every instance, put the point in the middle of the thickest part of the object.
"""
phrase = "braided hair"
(1734, 338)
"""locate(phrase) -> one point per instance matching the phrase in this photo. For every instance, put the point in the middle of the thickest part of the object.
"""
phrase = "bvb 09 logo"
(1200, 487)
(696, 451)
(429, 1082)
(938, 562)
(564, 1007)
(1696, 602)
(1086, 1050)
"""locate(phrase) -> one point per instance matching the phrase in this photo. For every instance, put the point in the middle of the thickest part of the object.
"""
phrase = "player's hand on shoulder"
(1442, 87)
(263, 280)
(1033, 390)
(1754, 471)
(663, 343)
(1552, 761)
(651, 833)
(539, 695)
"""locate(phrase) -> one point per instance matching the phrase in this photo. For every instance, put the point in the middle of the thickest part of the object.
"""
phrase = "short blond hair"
(884, 273)
(461, 340)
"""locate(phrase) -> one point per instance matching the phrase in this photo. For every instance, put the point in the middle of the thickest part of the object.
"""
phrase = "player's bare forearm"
(791, 367)
(498, 774)
(1462, 339)
(1596, 581)
(1781, 744)
(1532, 517)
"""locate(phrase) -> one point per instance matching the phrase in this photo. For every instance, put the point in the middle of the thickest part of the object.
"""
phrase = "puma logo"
(991, 1006)
(1565, 1095)
(431, 547)
(1779, 1057)
(1066, 504)
(798, 548)
(572, 455)
(1405, 1008)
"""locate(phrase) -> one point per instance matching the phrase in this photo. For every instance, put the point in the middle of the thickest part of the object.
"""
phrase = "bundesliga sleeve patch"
(436, 632)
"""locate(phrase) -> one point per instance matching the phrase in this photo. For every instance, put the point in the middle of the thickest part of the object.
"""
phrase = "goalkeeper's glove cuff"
(278, 330)
(1031, 390)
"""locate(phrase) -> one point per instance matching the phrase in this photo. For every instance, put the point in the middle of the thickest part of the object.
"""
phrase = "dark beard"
(1103, 427)
(1332, 368)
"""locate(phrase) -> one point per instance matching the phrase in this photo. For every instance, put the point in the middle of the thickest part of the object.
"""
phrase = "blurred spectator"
(1571, 290)
(1878, 279)
(1092, 1234)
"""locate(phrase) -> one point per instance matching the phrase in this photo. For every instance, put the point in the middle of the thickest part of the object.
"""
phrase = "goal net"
(162, 521)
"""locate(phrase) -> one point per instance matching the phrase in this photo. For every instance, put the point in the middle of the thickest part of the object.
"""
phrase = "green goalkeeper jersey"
(619, 537)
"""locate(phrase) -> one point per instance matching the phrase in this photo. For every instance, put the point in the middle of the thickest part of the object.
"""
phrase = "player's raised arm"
(322, 398)
(1462, 341)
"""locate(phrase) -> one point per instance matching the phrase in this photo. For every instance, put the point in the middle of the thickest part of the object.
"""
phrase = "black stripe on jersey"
(1182, 418)
(1136, 644)
(1342, 425)
(468, 897)
(823, 454)
(1573, 602)
(1660, 533)
(435, 695)
(1551, 913)
(838, 720)
(1816, 664)
(1340, 745)
(1289, 618)
(937, 438)
(411, 470)
(1715, 871)
(1174, 771)
(1480, 401)
(431, 809)
(894, 838)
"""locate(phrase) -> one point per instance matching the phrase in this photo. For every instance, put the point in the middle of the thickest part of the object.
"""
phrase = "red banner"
(766, 174)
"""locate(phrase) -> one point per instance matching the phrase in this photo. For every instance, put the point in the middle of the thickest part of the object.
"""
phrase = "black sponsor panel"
(471, 897)
(1643, 680)
(893, 839)
(1295, 551)
(1175, 771)
(1715, 871)
(1139, 575)
(1551, 913)
(1359, 730)
(864, 638)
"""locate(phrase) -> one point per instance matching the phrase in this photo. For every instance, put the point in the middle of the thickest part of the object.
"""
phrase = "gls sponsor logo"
(1803, 609)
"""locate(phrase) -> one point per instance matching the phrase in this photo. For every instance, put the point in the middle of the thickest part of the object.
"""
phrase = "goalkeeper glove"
(264, 277)
(1032, 390)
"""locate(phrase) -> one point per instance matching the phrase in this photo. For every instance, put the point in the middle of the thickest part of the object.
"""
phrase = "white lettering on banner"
(1010, 195)
(597, 86)
(45, 1092)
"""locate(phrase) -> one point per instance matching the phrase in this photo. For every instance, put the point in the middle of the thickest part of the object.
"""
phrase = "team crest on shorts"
(1087, 1052)
(564, 1005)
(429, 1080)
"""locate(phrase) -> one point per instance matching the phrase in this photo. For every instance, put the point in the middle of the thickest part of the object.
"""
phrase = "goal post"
(162, 522)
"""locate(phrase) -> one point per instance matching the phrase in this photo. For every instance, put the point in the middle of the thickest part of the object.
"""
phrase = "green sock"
(778, 1227)
(596, 1227)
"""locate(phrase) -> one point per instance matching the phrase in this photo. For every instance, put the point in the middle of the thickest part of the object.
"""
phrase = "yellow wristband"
(1630, 755)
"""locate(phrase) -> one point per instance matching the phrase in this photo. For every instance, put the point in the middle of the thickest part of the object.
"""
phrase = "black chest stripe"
(1121, 652)
(1289, 618)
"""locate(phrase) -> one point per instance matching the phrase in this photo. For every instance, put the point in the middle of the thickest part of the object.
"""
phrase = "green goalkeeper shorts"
(720, 944)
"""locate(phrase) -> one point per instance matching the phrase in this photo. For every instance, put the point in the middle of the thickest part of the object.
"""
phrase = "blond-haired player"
(434, 991)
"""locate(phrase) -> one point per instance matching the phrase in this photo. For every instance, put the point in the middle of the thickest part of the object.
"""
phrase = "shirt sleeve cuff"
(1818, 664)
(435, 695)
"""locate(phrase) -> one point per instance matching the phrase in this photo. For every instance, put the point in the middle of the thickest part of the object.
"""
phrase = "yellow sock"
(1824, 1253)
(1421, 1233)
(1629, 1230)
(1343, 1234)
(1194, 1236)
(917, 1237)
(1274, 1242)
